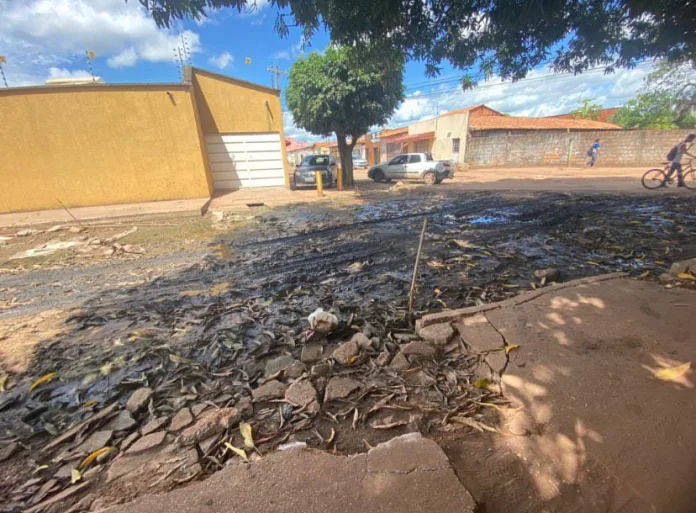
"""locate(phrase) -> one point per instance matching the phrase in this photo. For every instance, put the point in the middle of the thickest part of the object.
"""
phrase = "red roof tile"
(604, 115)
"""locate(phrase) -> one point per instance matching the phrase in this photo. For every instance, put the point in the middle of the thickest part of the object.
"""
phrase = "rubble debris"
(301, 393)
(320, 369)
(27, 232)
(154, 425)
(322, 322)
(183, 418)
(312, 353)
(399, 362)
(211, 423)
(340, 388)
(96, 441)
(274, 389)
(76, 229)
(245, 406)
(683, 267)
(362, 341)
(139, 399)
(275, 365)
(383, 359)
(294, 370)
(548, 275)
(147, 442)
(437, 334)
(121, 235)
(418, 348)
(345, 353)
(122, 422)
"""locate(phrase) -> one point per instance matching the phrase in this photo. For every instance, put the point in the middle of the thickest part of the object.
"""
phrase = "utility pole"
(2, 71)
(274, 70)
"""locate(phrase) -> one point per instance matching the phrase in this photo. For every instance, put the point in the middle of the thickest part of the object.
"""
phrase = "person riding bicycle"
(675, 155)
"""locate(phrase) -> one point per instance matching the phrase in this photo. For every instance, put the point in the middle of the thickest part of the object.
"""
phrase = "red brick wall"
(618, 147)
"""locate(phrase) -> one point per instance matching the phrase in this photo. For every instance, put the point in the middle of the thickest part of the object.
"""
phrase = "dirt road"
(197, 314)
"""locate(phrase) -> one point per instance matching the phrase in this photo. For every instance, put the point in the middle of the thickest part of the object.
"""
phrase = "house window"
(455, 145)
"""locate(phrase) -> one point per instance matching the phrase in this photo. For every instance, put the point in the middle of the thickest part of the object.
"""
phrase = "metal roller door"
(245, 160)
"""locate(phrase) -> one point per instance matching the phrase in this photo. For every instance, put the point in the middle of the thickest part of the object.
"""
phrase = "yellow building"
(100, 144)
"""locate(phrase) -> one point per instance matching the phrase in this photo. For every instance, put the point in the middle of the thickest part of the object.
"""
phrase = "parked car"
(358, 161)
(412, 166)
(305, 173)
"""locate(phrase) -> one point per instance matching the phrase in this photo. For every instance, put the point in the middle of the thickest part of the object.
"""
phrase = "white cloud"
(66, 73)
(291, 130)
(37, 34)
(283, 54)
(221, 61)
(542, 94)
(254, 8)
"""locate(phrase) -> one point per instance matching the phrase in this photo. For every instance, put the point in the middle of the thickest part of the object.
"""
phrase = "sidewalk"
(191, 206)
(603, 398)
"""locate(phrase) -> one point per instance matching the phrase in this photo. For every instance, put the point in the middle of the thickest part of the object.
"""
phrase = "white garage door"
(245, 160)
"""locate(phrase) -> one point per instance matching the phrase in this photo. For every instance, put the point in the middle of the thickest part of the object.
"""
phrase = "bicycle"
(656, 178)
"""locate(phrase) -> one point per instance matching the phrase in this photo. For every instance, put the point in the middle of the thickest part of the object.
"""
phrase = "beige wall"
(98, 145)
(227, 105)
(446, 129)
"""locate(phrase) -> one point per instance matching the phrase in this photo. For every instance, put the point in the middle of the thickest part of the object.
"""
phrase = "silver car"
(412, 166)
(359, 162)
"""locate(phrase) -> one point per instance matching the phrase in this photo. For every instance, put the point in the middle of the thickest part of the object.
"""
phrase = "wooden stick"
(69, 213)
(412, 292)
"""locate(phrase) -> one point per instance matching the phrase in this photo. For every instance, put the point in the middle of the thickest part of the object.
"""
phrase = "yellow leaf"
(644, 275)
(475, 287)
(89, 459)
(592, 262)
(437, 291)
(76, 476)
(3, 382)
(89, 404)
(511, 347)
(659, 262)
(487, 253)
(43, 379)
(238, 452)
(220, 288)
(481, 383)
(245, 430)
(462, 243)
(686, 276)
(510, 286)
(190, 293)
(673, 373)
(441, 302)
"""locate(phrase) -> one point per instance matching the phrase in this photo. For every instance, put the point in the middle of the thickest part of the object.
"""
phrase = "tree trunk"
(344, 152)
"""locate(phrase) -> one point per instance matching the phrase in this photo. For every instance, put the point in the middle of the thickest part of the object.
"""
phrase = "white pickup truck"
(412, 166)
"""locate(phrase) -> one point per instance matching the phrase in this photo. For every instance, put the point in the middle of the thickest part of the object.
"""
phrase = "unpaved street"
(200, 312)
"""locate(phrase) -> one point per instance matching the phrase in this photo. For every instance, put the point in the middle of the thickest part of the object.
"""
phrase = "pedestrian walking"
(593, 153)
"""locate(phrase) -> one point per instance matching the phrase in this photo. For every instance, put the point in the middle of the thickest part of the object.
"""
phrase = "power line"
(274, 70)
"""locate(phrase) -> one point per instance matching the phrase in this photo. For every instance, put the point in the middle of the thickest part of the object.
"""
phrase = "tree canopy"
(588, 110)
(339, 93)
(503, 37)
(666, 100)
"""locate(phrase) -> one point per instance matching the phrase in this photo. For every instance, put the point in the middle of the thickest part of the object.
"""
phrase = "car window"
(414, 159)
(401, 159)
(315, 160)
(429, 157)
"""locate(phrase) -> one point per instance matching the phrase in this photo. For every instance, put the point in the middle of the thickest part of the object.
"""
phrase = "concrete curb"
(453, 315)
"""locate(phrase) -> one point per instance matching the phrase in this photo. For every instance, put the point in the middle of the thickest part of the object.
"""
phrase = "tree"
(666, 100)
(503, 37)
(337, 92)
(588, 110)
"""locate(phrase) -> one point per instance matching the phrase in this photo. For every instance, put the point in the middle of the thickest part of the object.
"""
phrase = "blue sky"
(47, 38)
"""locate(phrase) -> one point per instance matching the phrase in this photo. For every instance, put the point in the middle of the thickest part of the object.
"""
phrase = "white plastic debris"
(323, 322)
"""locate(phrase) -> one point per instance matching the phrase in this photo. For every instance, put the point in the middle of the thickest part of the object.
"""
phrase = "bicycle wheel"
(690, 180)
(653, 179)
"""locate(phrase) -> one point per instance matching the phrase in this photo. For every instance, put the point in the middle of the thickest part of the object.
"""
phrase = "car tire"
(378, 176)
(429, 178)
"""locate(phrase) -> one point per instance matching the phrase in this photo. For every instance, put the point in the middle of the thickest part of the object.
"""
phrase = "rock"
(483, 338)
(405, 337)
(383, 359)
(55, 228)
(301, 393)
(275, 365)
(147, 442)
(183, 418)
(95, 441)
(323, 322)
(133, 249)
(312, 353)
(9, 450)
(274, 389)
(340, 388)
(76, 229)
(245, 407)
(418, 348)
(399, 362)
(344, 353)
(122, 422)
(197, 409)
(420, 378)
(128, 441)
(295, 370)
(154, 425)
(666, 278)
(83, 504)
(321, 369)
(139, 399)
(548, 275)
(65, 471)
(361, 340)
(205, 445)
(26, 232)
(212, 423)
(437, 334)
(684, 266)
